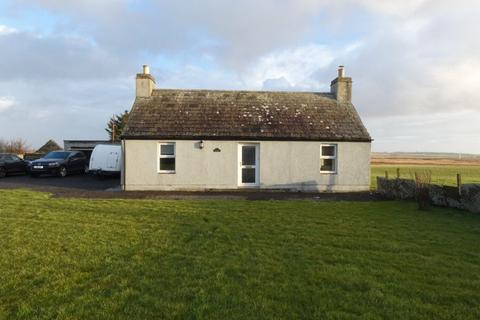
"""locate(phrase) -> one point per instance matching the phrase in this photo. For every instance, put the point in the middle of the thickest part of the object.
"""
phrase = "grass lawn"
(441, 174)
(139, 259)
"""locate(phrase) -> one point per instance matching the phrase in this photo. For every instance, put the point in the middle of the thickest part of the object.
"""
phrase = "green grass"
(441, 174)
(139, 259)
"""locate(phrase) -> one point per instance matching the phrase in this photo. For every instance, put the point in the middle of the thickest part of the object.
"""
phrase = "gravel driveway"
(53, 184)
(85, 186)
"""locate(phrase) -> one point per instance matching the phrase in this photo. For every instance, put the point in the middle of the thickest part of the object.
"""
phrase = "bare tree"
(16, 145)
(423, 180)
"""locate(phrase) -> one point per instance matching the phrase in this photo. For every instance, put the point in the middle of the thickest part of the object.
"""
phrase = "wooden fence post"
(386, 174)
(459, 184)
(398, 173)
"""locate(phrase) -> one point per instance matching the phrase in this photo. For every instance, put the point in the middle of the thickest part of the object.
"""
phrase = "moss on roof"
(248, 115)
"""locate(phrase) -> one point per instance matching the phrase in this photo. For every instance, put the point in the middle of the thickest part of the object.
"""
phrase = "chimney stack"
(341, 87)
(145, 83)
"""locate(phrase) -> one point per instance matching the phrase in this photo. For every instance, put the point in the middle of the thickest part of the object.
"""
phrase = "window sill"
(328, 172)
(166, 172)
(249, 186)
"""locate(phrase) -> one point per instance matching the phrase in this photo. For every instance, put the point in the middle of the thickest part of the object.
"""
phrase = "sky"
(67, 66)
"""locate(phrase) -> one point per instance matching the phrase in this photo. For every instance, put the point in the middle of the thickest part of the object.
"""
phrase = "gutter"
(236, 138)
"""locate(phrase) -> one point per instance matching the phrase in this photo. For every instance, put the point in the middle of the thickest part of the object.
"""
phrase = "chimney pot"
(341, 71)
(146, 69)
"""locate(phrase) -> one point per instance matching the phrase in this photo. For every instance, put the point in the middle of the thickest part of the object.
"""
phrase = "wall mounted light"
(200, 144)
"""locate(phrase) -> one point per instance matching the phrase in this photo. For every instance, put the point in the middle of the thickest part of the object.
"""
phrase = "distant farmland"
(443, 166)
(425, 158)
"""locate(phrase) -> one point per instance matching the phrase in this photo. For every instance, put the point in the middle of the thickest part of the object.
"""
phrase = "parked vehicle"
(60, 163)
(106, 159)
(11, 164)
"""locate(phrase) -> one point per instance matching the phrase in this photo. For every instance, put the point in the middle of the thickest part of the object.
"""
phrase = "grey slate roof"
(243, 115)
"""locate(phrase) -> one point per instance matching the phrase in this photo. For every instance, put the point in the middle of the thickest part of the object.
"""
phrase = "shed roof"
(243, 115)
(50, 145)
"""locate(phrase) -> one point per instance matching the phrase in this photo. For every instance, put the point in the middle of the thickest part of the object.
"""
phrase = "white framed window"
(328, 158)
(166, 157)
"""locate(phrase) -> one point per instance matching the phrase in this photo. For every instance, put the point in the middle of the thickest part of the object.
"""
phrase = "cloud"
(197, 77)
(410, 60)
(281, 84)
(30, 56)
(462, 80)
(6, 103)
(296, 66)
(234, 32)
(440, 132)
(63, 109)
(418, 64)
(394, 7)
(6, 30)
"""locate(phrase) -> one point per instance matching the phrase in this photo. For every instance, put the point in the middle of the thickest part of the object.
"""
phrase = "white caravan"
(106, 159)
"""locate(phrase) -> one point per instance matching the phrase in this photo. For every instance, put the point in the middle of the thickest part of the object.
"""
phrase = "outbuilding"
(86, 146)
(215, 139)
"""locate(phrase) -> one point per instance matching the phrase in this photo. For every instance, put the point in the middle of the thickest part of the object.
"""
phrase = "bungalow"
(213, 139)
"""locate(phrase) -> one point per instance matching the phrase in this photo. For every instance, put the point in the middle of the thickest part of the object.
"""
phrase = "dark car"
(60, 163)
(10, 163)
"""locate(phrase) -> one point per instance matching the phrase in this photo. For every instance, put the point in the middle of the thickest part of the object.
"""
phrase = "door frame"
(257, 165)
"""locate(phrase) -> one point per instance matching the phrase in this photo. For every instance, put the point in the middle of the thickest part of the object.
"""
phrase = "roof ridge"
(245, 90)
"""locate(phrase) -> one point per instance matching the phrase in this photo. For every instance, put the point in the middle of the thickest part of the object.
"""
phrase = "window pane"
(248, 155)
(248, 175)
(328, 151)
(167, 149)
(328, 165)
(167, 164)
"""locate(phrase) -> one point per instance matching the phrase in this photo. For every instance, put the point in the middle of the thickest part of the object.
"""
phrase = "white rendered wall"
(283, 165)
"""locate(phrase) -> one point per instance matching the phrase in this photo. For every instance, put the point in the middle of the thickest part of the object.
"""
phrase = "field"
(443, 174)
(139, 259)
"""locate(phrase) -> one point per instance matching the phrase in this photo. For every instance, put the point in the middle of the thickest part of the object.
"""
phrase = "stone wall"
(468, 198)
(471, 197)
(402, 189)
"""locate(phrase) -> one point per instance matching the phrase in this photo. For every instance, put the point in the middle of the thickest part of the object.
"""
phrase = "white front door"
(248, 170)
